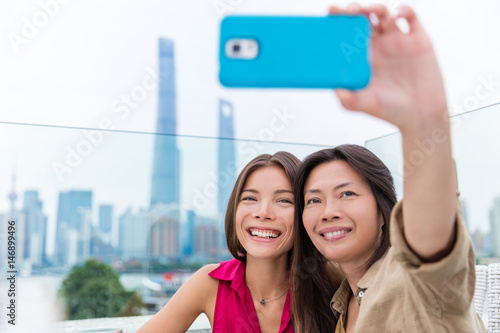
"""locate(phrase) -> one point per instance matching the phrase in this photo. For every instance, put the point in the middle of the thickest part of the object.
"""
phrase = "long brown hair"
(282, 159)
(312, 289)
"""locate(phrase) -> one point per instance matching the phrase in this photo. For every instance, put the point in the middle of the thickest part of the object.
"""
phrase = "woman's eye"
(348, 194)
(248, 199)
(312, 201)
(285, 200)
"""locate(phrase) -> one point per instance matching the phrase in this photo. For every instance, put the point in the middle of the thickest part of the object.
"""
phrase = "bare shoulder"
(207, 269)
(203, 282)
(200, 285)
(203, 288)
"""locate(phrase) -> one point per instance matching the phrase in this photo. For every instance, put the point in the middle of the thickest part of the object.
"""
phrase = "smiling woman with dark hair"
(251, 292)
(407, 267)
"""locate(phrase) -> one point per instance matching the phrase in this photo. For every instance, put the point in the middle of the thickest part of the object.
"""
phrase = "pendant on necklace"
(262, 301)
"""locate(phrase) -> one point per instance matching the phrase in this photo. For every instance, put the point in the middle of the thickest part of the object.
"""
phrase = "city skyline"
(140, 241)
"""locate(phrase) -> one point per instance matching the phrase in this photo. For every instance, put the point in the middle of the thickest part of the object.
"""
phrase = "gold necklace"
(264, 301)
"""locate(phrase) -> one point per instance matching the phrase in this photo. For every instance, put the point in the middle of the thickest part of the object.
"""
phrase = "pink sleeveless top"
(234, 310)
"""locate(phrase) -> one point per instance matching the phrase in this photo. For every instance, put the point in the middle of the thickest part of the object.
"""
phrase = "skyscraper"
(73, 215)
(105, 218)
(206, 241)
(163, 238)
(100, 242)
(133, 234)
(166, 159)
(36, 229)
(188, 233)
(226, 166)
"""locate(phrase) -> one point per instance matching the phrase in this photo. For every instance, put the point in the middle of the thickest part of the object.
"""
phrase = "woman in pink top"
(251, 292)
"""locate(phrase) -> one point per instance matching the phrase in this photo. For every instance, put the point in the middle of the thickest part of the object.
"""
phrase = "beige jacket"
(400, 293)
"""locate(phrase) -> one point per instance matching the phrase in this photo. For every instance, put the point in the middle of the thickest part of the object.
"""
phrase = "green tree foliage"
(94, 291)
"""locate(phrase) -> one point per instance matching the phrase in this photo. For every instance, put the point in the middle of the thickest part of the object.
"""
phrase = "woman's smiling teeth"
(263, 233)
(335, 233)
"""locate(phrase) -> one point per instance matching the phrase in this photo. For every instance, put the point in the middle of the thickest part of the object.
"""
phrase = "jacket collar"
(340, 299)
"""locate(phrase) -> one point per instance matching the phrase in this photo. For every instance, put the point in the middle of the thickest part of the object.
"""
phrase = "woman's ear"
(381, 220)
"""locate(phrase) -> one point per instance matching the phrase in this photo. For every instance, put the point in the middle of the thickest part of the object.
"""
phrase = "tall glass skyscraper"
(73, 226)
(226, 162)
(188, 234)
(166, 159)
(36, 229)
(105, 218)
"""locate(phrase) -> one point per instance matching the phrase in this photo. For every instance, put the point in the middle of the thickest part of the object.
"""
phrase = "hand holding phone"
(295, 52)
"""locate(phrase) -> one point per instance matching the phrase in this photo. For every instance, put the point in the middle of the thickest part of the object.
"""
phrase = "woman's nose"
(332, 212)
(265, 212)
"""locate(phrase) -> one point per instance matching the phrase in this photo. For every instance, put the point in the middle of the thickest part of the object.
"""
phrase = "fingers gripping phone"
(294, 52)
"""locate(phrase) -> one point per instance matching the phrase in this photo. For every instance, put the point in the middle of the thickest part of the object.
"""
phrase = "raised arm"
(407, 90)
(196, 296)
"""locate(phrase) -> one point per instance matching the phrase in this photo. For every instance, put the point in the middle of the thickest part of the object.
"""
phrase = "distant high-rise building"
(36, 229)
(73, 220)
(495, 226)
(133, 231)
(101, 249)
(166, 159)
(105, 218)
(189, 233)
(163, 239)
(226, 166)
(207, 240)
(85, 232)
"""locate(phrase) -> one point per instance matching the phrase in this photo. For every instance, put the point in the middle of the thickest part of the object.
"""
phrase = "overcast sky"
(72, 67)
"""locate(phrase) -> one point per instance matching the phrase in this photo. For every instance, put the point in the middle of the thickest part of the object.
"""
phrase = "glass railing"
(476, 139)
(149, 207)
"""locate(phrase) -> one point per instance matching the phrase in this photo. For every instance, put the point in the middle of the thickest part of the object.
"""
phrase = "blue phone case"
(298, 52)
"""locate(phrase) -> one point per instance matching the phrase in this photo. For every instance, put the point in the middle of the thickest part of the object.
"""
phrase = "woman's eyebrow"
(283, 191)
(250, 190)
(339, 186)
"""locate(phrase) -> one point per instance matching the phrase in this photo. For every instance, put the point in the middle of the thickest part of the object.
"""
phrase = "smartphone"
(295, 52)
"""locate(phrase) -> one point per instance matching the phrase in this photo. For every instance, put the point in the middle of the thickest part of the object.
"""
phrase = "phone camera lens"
(236, 48)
